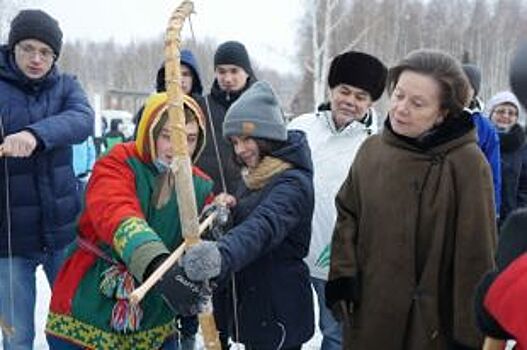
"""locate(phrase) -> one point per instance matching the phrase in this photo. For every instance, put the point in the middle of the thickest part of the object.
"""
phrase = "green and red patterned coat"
(119, 233)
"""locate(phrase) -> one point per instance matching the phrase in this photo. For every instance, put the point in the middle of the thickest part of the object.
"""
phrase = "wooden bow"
(182, 168)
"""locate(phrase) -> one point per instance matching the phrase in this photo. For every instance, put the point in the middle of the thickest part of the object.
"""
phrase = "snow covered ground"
(44, 293)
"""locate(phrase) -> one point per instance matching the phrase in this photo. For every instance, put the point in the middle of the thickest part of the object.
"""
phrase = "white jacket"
(332, 152)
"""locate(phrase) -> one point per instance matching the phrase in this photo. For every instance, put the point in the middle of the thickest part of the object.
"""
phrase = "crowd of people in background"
(396, 232)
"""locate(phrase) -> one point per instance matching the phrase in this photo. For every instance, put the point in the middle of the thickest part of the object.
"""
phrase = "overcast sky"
(268, 28)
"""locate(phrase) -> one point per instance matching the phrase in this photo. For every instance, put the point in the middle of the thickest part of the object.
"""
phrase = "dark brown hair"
(265, 146)
(443, 68)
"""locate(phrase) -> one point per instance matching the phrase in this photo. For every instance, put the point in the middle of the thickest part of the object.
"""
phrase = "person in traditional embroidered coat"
(130, 221)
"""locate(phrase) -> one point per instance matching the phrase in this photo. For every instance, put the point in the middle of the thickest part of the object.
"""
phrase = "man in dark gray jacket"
(233, 75)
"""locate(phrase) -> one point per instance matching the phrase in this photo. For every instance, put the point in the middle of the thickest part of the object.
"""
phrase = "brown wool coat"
(419, 226)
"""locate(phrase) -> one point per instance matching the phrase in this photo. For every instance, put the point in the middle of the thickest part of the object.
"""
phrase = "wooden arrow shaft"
(139, 293)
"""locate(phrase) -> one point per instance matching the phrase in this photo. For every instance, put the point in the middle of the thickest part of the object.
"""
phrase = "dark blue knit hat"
(35, 24)
(233, 52)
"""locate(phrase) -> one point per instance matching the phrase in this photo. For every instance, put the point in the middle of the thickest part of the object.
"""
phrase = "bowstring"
(211, 125)
(224, 189)
(6, 328)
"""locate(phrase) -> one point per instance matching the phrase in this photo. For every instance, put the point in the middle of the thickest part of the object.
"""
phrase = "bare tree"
(324, 21)
(8, 10)
(389, 29)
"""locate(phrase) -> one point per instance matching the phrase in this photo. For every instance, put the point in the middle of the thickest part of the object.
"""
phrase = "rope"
(211, 124)
(224, 189)
(8, 330)
(216, 148)
(235, 309)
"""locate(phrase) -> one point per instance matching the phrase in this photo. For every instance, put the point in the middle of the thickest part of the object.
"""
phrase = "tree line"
(484, 32)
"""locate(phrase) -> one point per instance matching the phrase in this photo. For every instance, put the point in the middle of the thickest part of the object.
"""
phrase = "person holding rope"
(42, 114)
(130, 224)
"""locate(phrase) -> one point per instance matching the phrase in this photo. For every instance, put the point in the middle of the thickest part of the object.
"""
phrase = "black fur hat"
(360, 70)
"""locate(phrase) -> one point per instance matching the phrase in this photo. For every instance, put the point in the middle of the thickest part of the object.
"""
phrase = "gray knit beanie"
(256, 113)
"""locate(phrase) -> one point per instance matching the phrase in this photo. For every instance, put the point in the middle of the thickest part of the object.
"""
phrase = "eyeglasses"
(30, 51)
(506, 110)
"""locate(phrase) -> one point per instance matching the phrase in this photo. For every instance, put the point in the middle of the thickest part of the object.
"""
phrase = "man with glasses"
(42, 114)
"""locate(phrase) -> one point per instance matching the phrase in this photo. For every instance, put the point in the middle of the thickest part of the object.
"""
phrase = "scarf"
(258, 177)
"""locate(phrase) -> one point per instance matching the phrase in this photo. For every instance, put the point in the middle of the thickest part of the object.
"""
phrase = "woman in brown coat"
(416, 225)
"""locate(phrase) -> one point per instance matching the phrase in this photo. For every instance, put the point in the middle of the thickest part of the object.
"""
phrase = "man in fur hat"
(42, 114)
(356, 80)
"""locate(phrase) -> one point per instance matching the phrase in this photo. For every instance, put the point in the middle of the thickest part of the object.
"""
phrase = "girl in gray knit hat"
(264, 250)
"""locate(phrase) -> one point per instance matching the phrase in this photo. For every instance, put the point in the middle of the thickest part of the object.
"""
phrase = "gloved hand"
(20, 144)
(342, 311)
(182, 295)
(221, 222)
(342, 294)
(202, 261)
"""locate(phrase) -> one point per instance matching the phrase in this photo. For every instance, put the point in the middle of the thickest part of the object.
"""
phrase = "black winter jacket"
(266, 250)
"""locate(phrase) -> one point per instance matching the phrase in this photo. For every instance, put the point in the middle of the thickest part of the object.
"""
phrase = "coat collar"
(225, 98)
(363, 125)
(453, 133)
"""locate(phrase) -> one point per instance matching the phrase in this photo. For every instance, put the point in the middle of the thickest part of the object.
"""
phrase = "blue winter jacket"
(83, 157)
(489, 143)
(41, 190)
(266, 248)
